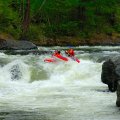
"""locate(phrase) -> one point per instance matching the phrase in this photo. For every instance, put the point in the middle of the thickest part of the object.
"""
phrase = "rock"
(15, 72)
(118, 95)
(109, 76)
(16, 45)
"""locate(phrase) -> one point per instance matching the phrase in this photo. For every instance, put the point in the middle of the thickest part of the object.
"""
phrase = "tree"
(26, 19)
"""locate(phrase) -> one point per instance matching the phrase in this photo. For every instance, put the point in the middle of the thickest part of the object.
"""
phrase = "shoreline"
(95, 40)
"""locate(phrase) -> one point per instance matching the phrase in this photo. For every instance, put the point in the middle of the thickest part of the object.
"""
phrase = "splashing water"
(33, 90)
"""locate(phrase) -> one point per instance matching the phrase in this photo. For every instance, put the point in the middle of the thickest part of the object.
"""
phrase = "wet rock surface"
(16, 45)
(111, 76)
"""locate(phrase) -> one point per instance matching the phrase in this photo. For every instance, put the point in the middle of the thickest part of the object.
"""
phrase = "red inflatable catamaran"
(58, 57)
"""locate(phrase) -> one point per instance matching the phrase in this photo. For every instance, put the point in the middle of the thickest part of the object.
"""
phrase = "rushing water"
(33, 90)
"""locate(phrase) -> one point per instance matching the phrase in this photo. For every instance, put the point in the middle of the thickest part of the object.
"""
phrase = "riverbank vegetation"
(40, 20)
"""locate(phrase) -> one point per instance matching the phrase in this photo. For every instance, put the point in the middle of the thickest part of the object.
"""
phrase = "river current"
(31, 89)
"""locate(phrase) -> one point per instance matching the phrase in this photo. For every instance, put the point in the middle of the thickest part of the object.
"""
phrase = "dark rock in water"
(13, 47)
(118, 95)
(16, 45)
(109, 76)
(15, 72)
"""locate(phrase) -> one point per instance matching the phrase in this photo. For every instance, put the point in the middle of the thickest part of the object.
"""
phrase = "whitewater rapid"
(34, 90)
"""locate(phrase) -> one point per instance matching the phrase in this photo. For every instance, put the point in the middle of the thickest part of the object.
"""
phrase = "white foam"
(71, 90)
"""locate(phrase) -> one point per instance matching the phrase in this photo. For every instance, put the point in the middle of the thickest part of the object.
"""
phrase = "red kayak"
(61, 57)
(49, 60)
(54, 59)
(76, 59)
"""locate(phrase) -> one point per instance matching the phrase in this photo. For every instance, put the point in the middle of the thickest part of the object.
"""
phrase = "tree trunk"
(26, 20)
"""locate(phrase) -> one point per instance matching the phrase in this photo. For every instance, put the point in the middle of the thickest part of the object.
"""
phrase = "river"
(31, 89)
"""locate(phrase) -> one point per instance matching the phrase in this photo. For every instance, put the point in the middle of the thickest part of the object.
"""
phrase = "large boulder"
(16, 45)
(118, 95)
(109, 75)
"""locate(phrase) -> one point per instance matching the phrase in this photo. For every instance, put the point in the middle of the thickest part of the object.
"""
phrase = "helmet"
(71, 52)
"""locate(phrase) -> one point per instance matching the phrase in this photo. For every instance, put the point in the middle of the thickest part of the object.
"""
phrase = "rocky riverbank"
(96, 39)
(16, 45)
(75, 41)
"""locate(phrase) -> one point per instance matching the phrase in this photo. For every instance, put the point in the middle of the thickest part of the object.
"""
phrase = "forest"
(39, 19)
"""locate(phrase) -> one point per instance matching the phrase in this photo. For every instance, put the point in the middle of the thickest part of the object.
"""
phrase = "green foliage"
(54, 18)
(35, 32)
(9, 20)
(65, 29)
